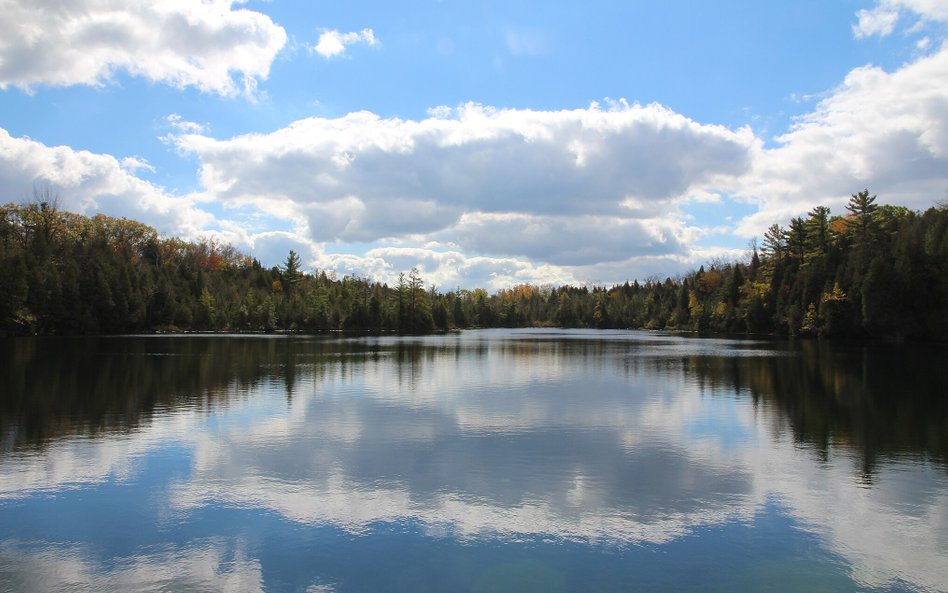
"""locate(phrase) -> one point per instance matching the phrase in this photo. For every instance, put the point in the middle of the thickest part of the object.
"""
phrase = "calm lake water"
(479, 461)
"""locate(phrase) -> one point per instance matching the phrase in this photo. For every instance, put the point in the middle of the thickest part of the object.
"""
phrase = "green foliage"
(292, 276)
(880, 271)
(862, 207)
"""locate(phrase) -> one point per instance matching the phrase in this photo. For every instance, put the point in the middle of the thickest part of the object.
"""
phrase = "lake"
(490, 460)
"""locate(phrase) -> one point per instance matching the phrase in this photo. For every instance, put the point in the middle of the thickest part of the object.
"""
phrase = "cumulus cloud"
(89, 183)
(333, 43)
(887, 131)
(564, 187)
(566, 240)
(273, 246)
(448, 265)
(595, 194)
(543, 162)
(448, 268)
(207, 45)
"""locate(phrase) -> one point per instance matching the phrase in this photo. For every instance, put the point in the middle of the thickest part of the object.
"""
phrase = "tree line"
(875, 271)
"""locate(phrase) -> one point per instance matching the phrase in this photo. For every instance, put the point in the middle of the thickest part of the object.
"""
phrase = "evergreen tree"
(291, 272)
(862, 207)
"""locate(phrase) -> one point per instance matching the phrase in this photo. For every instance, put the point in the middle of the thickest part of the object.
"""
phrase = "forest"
(875, 271)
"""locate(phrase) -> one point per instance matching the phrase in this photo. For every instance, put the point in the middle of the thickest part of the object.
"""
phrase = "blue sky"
(487, 143)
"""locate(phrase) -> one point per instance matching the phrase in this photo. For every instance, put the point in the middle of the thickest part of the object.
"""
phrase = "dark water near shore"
(507, 460)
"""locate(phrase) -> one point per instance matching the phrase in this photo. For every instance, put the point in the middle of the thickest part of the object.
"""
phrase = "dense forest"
(877, 271)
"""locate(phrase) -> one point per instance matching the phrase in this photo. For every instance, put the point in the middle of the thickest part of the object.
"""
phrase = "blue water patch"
(486, 461)
(720, 421)
(113, 516)
(769, 553)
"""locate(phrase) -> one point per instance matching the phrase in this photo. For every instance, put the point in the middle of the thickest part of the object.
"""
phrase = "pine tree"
(291, 272)
(862, 206)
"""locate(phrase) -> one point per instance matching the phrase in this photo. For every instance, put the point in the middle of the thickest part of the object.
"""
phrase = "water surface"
(496, 460)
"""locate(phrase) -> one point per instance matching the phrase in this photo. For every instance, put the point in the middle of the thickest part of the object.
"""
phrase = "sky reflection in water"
(491, 460)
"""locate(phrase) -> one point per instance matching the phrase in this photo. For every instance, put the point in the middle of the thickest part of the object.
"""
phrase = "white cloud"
(568, 240)
(878, 21)
(449, 268)
(543, 162)
(133, 164)
(569, 187)
(178, 123)
(88, 183)
(881, 19)
(933, 10)
(881, 130)
(207, 45)
(272, 247)
(333, 43)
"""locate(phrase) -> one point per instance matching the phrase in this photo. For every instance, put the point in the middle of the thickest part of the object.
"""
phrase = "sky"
(486, 143)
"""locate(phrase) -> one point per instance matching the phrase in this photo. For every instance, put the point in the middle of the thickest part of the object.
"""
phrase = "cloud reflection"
(606, 440)
(207, 566)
